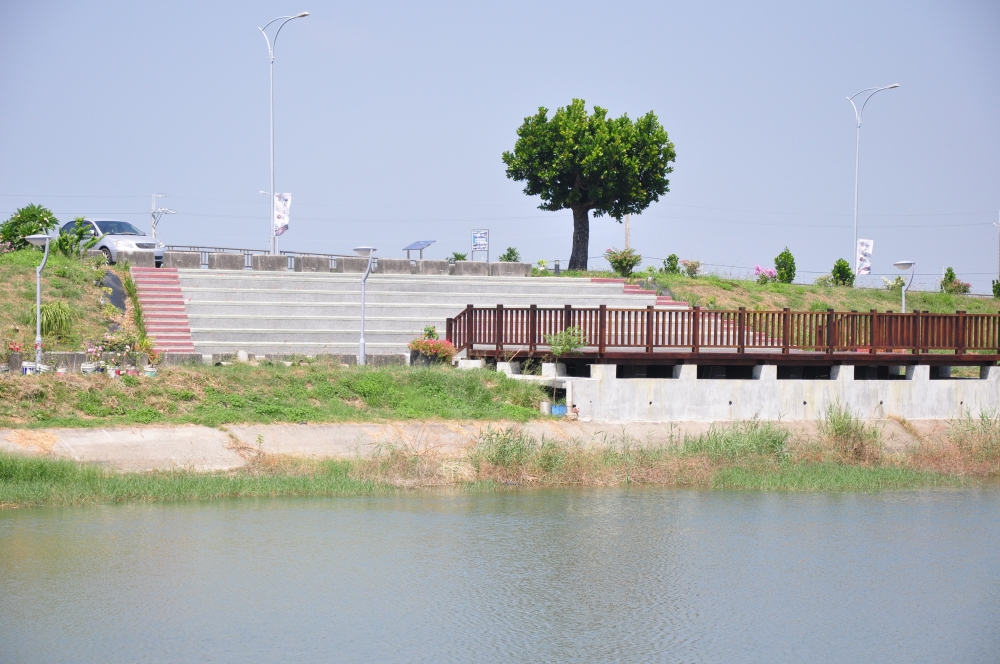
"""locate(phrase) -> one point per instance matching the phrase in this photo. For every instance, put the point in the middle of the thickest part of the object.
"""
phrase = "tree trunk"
(581, 237)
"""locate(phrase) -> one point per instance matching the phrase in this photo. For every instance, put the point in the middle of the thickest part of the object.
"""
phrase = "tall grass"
(740, 439)
(132, 290)
(826, 477)
(853, 439)
(57, 318)
(979, 436)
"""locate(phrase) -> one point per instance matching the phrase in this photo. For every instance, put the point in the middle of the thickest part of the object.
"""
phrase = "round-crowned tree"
(784, 265)
(582, 162)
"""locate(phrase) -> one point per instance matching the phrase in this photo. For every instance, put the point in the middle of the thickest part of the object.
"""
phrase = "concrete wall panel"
(189, 260)
(226, 262)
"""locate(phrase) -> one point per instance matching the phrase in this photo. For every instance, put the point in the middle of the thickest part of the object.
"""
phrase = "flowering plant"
(765, 275)
(623, 261)
(6, 247)
(441, 349)
(691, 268)
(12, 347)
(94, 352)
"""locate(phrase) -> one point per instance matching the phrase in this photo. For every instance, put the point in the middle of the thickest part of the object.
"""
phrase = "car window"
(71, 227)
(68, 228)
(118, 228)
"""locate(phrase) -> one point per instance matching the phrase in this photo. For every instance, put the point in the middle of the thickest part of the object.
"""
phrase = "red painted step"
(163, 308)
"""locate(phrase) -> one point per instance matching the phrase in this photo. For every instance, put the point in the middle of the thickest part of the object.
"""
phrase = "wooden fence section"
(698, 330)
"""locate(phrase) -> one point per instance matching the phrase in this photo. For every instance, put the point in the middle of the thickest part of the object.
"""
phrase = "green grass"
(826, 477)
(740, 439)
(312, 392)
(32, 481)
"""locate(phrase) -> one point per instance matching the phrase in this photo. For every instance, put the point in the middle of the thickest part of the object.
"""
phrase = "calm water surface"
(560, 576)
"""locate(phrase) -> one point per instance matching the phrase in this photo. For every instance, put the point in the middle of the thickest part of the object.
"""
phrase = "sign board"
(864, 261)
(481, 240)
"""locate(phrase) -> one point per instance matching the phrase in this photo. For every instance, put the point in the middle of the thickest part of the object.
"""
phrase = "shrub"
(455, 256)
(691, 268)
(996, 289)
(624, 261)
(671, 265)
(784, 265)
(896, 284)
(440, 349)
(568, 341)
(950, 283)
(842, 274)
(543, 264)
(430, 332)
(512, 255)
(26, 221)
(765, 275)
(57, 318)
(74, 243)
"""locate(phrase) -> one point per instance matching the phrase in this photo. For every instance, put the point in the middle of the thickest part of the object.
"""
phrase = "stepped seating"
(163, 309)
(283, 313)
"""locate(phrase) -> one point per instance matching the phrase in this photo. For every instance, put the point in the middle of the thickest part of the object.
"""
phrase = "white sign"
(281, 204)
(864, 262)
(480, 240)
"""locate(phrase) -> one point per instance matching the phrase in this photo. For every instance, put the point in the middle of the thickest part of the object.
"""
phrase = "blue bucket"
(559, 411)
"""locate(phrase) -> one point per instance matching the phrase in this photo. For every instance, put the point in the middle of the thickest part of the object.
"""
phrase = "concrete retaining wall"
(394, 266)
(188, 260)
(137, 258)
(605, 398)
(472, 269)
(351, 264)
(312, 264)
(226, 262)
(432, 267)
(510, 269)
(268, 263)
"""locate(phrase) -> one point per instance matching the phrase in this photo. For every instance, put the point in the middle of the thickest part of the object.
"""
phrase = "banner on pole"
(282, 202)
(864, 262)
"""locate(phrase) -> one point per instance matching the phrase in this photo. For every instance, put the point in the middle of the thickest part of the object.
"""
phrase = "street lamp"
(364, 252)
(905, 265)
(155, 213)
(39, 240)
(857, 154)
(270, 55)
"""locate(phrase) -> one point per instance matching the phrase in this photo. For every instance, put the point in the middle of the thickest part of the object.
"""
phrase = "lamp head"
(302, 15)
(365, 251)
(904, 265)
(890, 87)
(38, 240)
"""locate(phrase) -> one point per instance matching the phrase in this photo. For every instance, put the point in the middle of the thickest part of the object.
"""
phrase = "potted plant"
(93, 363)
(430, 350)
(561, 344)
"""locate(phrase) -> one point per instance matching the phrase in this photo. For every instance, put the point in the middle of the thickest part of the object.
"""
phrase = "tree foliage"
(842, 274)
(512, 255)
(573, 160)
(75, 242)
(671, 265)
(623, 261)
(784, 264)
(26, 221)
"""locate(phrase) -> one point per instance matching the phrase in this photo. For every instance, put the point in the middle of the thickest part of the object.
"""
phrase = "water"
(561, 576)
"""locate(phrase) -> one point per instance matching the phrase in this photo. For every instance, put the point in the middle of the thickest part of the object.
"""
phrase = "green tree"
(671, 265)
(26, 221)
(996, 289)
(842, 274)
(512, 255)
(455, 256)
(582, 162)
(784, 264)
(623, 261)
(73, 243)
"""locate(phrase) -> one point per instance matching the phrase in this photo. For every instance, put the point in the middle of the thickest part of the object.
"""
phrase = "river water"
(605, 575)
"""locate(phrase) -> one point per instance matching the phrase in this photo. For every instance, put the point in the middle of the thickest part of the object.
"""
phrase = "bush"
(624, 261)
(784, 265)
(950, 283)
(996, 289)
(764, 275)
(842, 274)
(440, 349)
(568, 341)
(26, 221)
(455, 256)
(896, 284)
(57, 318)
(77, 241)
(671, 265)
(691, 268)
(512, 255)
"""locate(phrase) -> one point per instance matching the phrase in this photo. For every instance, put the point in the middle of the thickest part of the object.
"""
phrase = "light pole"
(270, 55)
(38, 241)
(857, 154)
(369, 253)
(155, 213)
(905, 265)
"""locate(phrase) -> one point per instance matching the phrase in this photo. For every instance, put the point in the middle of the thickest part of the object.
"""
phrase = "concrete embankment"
(207, 449)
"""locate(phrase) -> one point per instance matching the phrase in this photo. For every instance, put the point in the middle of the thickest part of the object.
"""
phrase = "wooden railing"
(695, 330)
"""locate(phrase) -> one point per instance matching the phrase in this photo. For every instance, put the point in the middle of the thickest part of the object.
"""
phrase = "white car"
(118, 236)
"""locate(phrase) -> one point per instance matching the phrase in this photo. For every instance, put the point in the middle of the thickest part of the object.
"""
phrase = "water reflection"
(589, 575)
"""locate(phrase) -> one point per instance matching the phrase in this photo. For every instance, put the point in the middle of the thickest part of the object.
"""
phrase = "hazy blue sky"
(391, 119)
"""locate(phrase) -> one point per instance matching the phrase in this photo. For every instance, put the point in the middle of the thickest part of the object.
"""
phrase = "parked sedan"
(118, 236)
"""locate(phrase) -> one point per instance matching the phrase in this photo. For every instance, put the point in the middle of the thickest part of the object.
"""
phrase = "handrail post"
(469, 328)
(602, 328)
(960, 342)
(532, 328)
(499, 330)
(786, 328)
(695, 329)
(567, 317)
(449, 323)
(916, 332)
(741, 322)
(830, 338)
(873, 332)
(650, 312)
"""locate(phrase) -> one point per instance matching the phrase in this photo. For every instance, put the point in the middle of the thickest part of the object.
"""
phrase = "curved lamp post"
(857, 154)
(905, 265)
(270, 55)
(39, 240)
(369, 253)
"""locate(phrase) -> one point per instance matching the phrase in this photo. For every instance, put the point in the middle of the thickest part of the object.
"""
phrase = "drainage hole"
(650, 403)
(803, 403)
(730, 403)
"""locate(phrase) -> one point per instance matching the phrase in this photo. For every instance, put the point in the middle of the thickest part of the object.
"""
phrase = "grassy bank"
(313, 391)
(847, 455)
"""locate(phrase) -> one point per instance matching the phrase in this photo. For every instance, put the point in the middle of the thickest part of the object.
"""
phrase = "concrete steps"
(163, 310)
(313, 313)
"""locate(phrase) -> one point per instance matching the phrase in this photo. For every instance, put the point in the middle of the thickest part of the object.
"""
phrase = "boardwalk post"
(873, 332)
(533, 328)
(916, 332)
(741, 323)
(499, 331)
(695, 329)
(960, 341)
(650, 312)
(469, 327)
(602, 328)
(449, 323)
(830, 332)
(786, 325)
(567, 317)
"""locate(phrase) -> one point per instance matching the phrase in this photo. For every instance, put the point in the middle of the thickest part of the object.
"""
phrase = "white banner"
(281, 204)
(864, 262)
(481, 240)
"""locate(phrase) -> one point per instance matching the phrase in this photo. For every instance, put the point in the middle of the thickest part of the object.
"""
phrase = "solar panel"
(419, 244)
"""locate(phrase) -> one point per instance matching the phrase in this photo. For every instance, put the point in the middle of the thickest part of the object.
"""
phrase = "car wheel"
(107, 255)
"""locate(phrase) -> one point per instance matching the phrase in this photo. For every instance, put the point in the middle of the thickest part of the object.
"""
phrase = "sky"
(391, 118)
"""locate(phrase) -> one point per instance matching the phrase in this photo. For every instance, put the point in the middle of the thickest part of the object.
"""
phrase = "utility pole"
(628, 234)
(155, 213)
